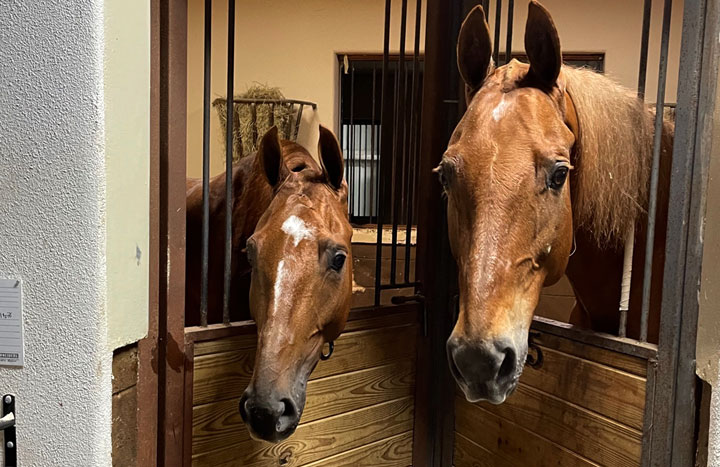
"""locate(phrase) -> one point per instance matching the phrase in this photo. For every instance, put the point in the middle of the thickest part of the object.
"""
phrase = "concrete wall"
(127, 156)
(52, 233)
(293, 45)
(283, 43)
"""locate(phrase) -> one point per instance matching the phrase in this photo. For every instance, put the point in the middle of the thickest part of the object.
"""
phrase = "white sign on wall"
(11, 329)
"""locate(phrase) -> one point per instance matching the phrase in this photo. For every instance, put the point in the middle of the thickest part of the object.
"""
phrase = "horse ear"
(331, 157)
(270, 155)
(542, 45)
(474, 49)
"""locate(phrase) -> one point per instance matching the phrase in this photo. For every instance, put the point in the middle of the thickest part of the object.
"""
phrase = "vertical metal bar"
(229, 159)
(657, 142)
(206, 167)
(642, 74)
(298, 120)
(272, 115)
(383, 114)
(352, 162)
(508, 40)
(253, 121)
(498, 20)
(372, 149)
(413, 147)
(629, 246)
(363, 173)
(399, 133)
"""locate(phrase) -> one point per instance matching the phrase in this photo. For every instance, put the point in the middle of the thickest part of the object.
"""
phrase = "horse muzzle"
(272, 417)
(487, 369)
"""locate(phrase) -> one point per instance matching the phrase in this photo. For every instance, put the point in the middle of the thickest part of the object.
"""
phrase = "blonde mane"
(613, 155)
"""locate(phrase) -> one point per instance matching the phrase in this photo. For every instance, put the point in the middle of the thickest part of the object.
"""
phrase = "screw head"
(10, 444)
(8, 399)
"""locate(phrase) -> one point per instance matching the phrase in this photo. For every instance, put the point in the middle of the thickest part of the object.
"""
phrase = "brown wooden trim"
(218, 331)
(147, 385)
(434, 403)
(598, 339)
(171, 251)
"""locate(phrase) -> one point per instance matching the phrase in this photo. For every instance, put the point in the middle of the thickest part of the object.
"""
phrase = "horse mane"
(613, 155)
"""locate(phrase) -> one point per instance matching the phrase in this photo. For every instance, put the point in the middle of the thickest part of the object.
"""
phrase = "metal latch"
(7, 424)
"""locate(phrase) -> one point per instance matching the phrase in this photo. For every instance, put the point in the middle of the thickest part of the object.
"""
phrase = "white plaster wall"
(52, 226)
(127, 152)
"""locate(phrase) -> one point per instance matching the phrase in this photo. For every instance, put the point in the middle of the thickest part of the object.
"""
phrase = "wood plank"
(621, 361)
(225, 375)
(319, 439)
(510, 441)
(584, 432)
(219, 423)
(613, 393)
(395, 451)
(382, 319)
(469, 454)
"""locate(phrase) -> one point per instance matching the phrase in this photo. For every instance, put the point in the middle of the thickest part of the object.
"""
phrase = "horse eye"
(442, 177)
(338, 261)
(558, 177)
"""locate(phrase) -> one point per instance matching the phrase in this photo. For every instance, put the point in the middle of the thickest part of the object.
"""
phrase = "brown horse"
(291, 214)
(518, 220)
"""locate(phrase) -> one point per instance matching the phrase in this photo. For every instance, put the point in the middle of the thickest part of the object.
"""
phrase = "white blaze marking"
(499, 111)
(279, 279)
(296, 228)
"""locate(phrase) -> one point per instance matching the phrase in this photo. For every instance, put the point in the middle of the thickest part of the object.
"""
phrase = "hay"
(243, 141)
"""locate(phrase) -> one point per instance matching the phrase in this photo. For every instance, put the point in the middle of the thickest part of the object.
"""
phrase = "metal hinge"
(7, 424)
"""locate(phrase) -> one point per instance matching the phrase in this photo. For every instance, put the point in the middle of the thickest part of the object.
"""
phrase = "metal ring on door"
(325, 356)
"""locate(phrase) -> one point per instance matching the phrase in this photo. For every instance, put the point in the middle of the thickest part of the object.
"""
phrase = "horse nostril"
(243, 408)
(289, 409)
(507, 368)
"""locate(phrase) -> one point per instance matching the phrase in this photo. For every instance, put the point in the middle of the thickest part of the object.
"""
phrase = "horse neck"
(595, 271)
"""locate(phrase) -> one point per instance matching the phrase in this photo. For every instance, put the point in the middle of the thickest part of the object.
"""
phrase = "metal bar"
(229, 160)
(352, 162)
(400, 285)
(642, 74)
(298, 120)
(650, 391)
(674, 421)
(253, 122)
(239, 100)
(373, 149)
(657, 141)
(383, 115)
(272, 115)
(508, 40)
(413, 147)
(399, 137)
(498, 20)
(363, 172)
(206, 167)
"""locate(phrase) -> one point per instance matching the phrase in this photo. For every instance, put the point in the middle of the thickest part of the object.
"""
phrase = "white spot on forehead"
(499, 111)
(297, 229)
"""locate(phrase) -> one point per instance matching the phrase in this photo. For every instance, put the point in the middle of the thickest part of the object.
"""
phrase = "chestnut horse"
(291, 213)
(518, 219)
